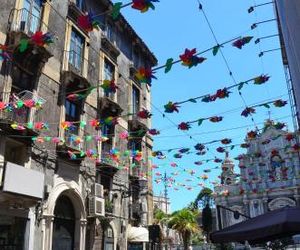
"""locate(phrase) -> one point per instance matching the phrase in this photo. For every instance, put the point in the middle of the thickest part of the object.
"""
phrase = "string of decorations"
(172, 107)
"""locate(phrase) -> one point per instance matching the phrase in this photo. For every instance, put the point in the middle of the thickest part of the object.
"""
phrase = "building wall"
(289, 18)
(75, 179)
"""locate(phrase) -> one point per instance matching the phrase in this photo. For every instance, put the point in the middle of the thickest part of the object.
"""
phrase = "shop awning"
(266, 227)
(137, 234)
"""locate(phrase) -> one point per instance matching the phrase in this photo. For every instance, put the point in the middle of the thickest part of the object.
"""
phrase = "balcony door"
(31, 15)
(64, 224)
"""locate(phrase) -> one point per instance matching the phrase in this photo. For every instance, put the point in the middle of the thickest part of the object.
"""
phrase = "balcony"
(105, 164)
(22, 25)
(109, 107)
(138, 126)
(76, 70)
(20, 185)
(18, 115)
(109, 47)
(72, 143)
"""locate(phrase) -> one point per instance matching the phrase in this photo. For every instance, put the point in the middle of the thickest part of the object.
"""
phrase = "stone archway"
(71, 191)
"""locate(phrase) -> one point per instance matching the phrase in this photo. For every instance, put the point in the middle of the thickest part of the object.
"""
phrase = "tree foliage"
(207, 220)
(204, 197)
(185, 223)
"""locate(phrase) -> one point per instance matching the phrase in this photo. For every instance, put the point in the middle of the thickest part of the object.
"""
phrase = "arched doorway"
(108, 239)
(64, 224)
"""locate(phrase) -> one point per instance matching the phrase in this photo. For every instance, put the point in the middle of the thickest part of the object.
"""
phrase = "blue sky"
(176, 25)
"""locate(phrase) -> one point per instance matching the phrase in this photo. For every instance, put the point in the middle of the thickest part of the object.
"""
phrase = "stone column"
(83, 223)
(47, 223)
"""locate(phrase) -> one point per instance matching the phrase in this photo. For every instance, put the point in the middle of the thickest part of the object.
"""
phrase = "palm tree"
(161, 219)
(185, 223)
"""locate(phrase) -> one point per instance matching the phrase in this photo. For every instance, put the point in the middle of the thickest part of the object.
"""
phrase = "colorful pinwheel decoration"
(222, 93)
(279, 125)
(183, 150)
(177, 156)
(289, 137)
(220, 150)
(261, 79)
(198, 163)
(153, 132)
(199, 147)
(184, 126)
(226, 141)
(245, 145)
(248, 111)
(75, 97)
(145, 75)
(40, 39)
(41, 126)
(123, 135)
(109, 87)
(190, 59)
(279, 103)
(171, 107)
(216, 119)
(111, 121)
(252, 135)
(144, 114)
(143, 5)
(88, 23)
(5, 54)
(242, 42)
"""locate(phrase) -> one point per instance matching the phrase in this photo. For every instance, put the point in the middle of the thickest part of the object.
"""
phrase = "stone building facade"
(53, 195)
(268, 179)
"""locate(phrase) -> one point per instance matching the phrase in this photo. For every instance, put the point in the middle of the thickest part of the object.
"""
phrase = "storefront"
(138, 238)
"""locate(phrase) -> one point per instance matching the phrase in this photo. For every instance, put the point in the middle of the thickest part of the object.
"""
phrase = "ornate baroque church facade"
(268, 179)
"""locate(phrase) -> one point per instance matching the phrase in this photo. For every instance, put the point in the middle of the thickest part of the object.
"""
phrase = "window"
(15, 152)
(76, 50)
(110, 33)
(109, 72)
(31, 15)
(21, 80)
(135, 100)
(72, 111)
(135, 145)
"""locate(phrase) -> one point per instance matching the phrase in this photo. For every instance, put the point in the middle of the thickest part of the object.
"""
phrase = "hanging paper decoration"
(72, 155)
(109, 87)
(220, 150)
(183, 150)
(204, 177)
(5, 53)
(296, 147)
(114, 154)
(242, 41)
(177, 156)
(153, 132)
(75, 97)
(216, 118)
(261, 79)
(17, 126)
(173, 164)
(87, 22)
(143, 5)
(190, 59)
(144, 114)
(116, 10)
(279, 125)
(184, 126)
(279, 103)
(265, 142)
(226, 141)
(222, 93)
(198, 163)
(123, 135)
(252, 135)
(199, 147)
(111, 121)
(145, 75)
(169, 64)
(248, 111)
(171, 107)
(41, 126)
(40, 39)
(217, 160)
(289, 137)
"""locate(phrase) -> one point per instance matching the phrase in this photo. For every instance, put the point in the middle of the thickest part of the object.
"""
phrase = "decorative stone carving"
(280, 203)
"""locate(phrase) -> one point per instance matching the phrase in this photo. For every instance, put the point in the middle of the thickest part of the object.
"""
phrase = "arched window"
(64, 224)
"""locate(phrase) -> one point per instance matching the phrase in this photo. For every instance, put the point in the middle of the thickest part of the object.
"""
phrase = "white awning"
(137, 234)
